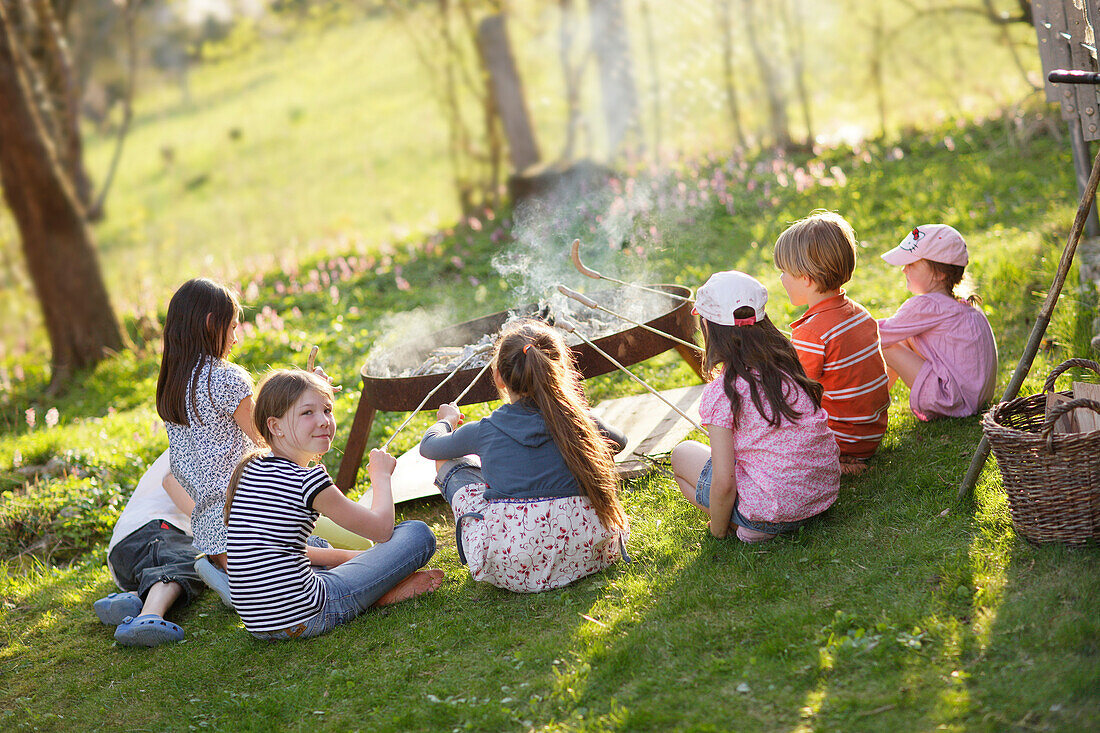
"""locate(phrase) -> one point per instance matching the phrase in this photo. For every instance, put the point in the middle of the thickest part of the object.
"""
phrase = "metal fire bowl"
(635, 344)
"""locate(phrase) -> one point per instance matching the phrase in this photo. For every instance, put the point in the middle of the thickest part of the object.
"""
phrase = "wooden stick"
(585, 300)
(575, 254)
(1041, 323)
(428, 397)
(473, 382)
(568, 327)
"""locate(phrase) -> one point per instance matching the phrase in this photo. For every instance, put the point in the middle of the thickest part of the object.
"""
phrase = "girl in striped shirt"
(271, 508)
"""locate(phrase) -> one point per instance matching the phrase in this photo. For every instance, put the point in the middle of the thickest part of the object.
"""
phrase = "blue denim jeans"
(355, 585)
(702, 497)
(456, 473)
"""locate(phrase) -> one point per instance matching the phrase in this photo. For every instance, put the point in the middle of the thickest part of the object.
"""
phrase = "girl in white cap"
(939, 343)
(772, 462)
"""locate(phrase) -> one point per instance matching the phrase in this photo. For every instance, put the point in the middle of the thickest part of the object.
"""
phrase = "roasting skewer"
(585, 300)
(473, 381)
(312, 361)
(575, 253)
(428, 396)
(568, 327)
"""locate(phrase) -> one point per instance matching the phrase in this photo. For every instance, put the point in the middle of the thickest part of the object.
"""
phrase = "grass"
(885, 615)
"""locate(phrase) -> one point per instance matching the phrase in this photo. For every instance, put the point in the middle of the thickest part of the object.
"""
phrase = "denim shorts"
(153, 553)
(702, 497)
(455, 474)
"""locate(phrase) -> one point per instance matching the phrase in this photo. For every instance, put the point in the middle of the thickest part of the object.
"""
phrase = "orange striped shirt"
(838, 344)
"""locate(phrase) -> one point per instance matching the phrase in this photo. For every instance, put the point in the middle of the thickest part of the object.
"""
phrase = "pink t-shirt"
(784, 473)
(960, 369)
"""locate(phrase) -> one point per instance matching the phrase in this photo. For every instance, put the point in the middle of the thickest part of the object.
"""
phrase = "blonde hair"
(533, 361)
(277, 393)
(955, 281)
(822, 247)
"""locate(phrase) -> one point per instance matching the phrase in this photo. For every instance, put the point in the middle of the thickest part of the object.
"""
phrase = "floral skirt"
(530, 546)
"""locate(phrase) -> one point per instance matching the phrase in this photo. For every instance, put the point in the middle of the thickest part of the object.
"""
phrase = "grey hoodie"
(519, 459)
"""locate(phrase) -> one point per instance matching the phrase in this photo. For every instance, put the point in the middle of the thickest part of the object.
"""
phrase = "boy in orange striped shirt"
(837, 340)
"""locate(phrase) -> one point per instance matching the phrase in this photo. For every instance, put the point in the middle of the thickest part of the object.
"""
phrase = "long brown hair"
(533, 361)
(764, 358)
(196, 327)
(277, 393)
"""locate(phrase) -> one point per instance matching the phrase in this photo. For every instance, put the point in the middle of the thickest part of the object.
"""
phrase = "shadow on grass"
(881, 616)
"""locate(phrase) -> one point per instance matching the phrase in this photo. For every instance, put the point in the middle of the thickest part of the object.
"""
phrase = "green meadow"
(900, 609)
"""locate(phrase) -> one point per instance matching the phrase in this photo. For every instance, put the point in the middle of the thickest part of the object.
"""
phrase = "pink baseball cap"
(936, 242)
(724, 292)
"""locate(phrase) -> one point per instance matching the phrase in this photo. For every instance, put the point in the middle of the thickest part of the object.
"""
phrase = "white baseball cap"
(725, 292)
(936, 242)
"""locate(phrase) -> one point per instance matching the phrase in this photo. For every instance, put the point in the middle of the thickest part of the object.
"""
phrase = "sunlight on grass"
(811, 706)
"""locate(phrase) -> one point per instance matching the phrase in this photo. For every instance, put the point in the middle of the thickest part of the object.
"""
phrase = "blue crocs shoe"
(147, 630)
(216, 579)
(113, 609)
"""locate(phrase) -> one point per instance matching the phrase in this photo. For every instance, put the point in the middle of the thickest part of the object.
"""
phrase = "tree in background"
(447, 49)
(611, 46)
(39, 26)
(56, 240)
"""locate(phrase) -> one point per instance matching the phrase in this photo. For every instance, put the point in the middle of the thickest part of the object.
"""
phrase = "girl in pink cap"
(772, 462)
(939, 343)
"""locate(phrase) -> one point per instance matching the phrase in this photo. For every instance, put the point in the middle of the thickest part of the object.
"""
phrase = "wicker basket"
(1052, 479)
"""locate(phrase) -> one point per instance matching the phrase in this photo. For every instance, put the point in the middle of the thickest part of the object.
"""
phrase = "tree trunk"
(571, 76)
(504, 94)
(56, 241)
(777, 102)
(612, 49)
(654, 76)
(725, 27)
(796, 45)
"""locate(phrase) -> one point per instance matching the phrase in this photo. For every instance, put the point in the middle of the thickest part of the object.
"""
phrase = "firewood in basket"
(1067, 423)
(1087, 420)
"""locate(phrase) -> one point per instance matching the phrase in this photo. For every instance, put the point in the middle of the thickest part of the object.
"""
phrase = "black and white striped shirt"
(271, 517)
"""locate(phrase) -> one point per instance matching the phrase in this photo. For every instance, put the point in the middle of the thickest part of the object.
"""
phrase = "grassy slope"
(885, 616)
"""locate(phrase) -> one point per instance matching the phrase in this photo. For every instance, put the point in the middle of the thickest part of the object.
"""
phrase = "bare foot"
(419, 583)
(853, 466)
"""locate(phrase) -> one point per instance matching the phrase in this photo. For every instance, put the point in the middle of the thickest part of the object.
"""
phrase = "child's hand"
(321, 373)
(380, 463)
(450, 413)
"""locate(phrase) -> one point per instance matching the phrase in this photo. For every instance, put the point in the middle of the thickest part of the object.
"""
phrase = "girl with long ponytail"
(540, 508)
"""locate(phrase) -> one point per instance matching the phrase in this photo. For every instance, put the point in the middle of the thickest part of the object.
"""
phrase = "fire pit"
(403, 393)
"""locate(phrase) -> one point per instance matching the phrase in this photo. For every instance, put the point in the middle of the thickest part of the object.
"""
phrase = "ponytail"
(956, 282)
(533, 361)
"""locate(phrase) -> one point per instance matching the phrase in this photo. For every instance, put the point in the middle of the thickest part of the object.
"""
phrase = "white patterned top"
(205, 452)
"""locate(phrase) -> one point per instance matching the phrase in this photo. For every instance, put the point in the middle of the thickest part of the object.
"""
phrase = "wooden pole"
(1041, 323)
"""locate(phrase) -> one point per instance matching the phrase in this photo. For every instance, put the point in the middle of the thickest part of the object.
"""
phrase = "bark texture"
(56, 241)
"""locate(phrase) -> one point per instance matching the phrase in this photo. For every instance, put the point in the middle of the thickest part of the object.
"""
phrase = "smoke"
(401, 339)
(610, 219)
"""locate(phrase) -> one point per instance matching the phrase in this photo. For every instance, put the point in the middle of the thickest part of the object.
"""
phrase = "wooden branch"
(129, 14)
(987, 11)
